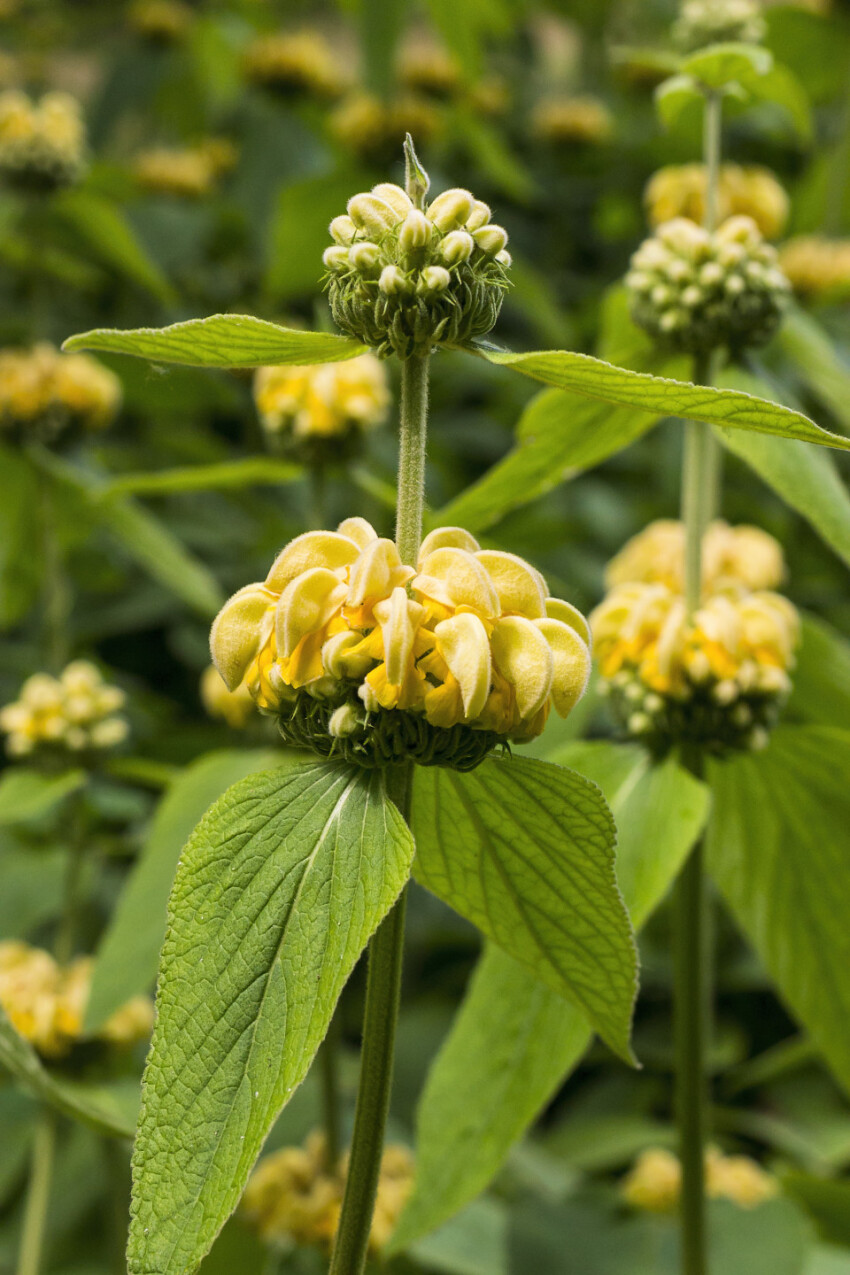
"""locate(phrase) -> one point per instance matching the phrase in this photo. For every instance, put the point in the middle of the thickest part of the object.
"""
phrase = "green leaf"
(559, 436)
(815, 358)
(129, 950)
(299, 230)
(594, 378)
(828, 1202)
(473, 1243)
(513, 1041)
(525, 850)
(109, 235)
(222, 340)
(26, 794)
(20, 566)
(674, 95)
(277, 893)
(821, 679)
(95, 1106)
(806, 477)
(780, 87)
(721, 64)
(248, 471)
(777, 848)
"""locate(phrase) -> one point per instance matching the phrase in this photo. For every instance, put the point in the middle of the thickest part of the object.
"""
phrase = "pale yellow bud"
(336, 258)
(398, 199)
(343, 230)
(457, 246)
(491, 239)
(345, 720)
(451, 209)
(415, 232)
(479, 216)
(370, 213)
(433, 279)
(393, 280)
(364, 256)
(504, 258)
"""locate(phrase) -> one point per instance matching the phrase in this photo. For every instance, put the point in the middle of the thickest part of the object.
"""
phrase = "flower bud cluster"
(295, 64)
(44, 394)
(695, 291)
(77, 712)
(816, 266)
(374, 130)
(363, 656)
(718, 678)
(234, 708)
(654, 1183)
(404, 279)
(295, 1195)
(42, 145)
(572, 120)
(162, 22)
(679, 191)
(704, 22)
(189, 172)
(318, 414)
(46, 1002)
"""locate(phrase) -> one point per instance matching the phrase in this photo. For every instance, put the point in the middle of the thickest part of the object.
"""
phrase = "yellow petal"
(517, 583)
(572, 664)
(339, 659)
(558, 609)
(456, 578)
(306, 604)
(399, 618)
(525, 658)
(462, 641)
(376, 573)
(313, 549)
(453, 537)
(238, 631)
(358, 530)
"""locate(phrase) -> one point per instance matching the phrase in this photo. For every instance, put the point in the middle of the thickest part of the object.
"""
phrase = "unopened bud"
(392, 280)
(457, 246)
(504, 258)
(336, 258)
(479, 216)
(433, 279)
(370, 213)
(491, 239)
(344, 721)
(364, 256)
(451, 209)
(343, 230)
(394, 196)
(415, 232)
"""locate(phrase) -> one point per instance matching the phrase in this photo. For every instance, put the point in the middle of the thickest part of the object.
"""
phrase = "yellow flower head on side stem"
(679, 191)
(740, 555)
(162, 22)
(360, 654)
(654, 1183)
(42, 144)
(186, 172)
(46, 1002)
(77, 712)
(816, 266)
(295, 64)
(45, 394)
(572, 120)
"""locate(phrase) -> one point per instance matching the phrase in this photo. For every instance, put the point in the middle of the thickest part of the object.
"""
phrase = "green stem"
(383, 986)
(712, 136)
(56, 605)
(67, 933)
(38, 1195)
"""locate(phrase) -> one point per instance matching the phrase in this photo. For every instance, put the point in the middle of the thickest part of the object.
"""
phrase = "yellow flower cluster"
(46, 393)
(319, 412)
(654, 1183)
(816, 266)
(294, 1196)
(752, 191)
(190, 172)
(718, 677)
(46, 1002)
(361, 654)
(300, 63)
(427, 67)
(375, 130)
(565, 120)
(76, 711)
(43, 144)
(233, 707)
(160, 21)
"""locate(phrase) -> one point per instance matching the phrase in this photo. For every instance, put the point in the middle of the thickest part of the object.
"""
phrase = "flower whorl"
(43, 144)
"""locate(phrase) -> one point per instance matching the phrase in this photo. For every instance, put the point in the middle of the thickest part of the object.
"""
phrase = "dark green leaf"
(473, 1243)
(27, 794)
(816, 360)
(106, 231)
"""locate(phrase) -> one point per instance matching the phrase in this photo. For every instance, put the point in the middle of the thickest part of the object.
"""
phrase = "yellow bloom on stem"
(320, 412)
(295, 63)
(233, 707)
(740, 555)
(44, 392)
(375, 130)
(295, 1196)
(436, 662)
(816, 266)
(77, 712)
(46, 1002)
(654, 1182)
(160, 21)
(42, 144)
(189, 172)
(752, 191)
(580, 119)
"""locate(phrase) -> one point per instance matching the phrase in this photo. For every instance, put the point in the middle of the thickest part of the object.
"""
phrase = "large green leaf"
(525, 850)
(222, 340)
(821, 691)
(26, 794)
(129, 950)
(276, 895)
(777, 846)
(97, 1106)
(106, 231)
(559, 436)
(596, 379)
(247, 471)
(514, 1041)
(298, 232)
(806, 477)
(815, 358)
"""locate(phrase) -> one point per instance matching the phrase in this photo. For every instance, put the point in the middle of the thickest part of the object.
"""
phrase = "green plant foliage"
(27, 794)
(815, 359)
(776, 848)
(821, 692)
(107, 232)
(524, 850)
(276, 894)
(251, 471)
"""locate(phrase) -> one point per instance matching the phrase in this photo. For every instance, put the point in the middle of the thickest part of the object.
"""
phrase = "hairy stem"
(38, 1195)
(411, 459)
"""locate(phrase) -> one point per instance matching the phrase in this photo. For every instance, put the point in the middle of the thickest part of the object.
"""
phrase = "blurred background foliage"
(215, 162)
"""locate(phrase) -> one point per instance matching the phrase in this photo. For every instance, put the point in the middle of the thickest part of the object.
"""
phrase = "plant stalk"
(383, 986)
(38, 1194)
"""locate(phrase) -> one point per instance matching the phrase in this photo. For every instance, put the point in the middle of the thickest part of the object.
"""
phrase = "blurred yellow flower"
(190, 172)
(295, 63)
(45, 392)
(160, 21)
(730, 555)
(46, 1002)
(816, 266)
(233, 707)
(350, 646)
(580, 119)
(427, 67)
(329, 405)
(375, 130)
(654, 1183)
(76, 711)
(42, 144)
(295, 1196)
(679, 191)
